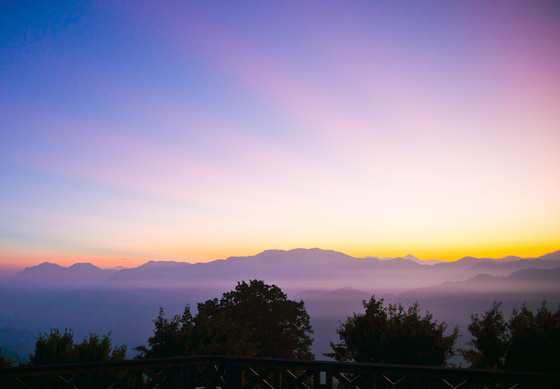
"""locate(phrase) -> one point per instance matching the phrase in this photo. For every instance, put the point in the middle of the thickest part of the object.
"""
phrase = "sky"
(192, 131)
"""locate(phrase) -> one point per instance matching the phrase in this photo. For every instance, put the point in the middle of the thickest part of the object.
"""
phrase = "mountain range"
(298, 270)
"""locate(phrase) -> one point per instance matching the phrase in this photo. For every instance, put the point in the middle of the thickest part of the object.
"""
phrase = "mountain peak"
(45, 265)
(83, 266)
(163, 264)
(419, 261)
(300, 250)
(299, 253)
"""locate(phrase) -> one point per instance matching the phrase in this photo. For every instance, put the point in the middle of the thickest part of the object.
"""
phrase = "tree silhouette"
(528, 342)
(59, 347)
(393, 334)
(4, 362)
(96, 348)
(535, 340)
(56, 347)
(172, 336)
(490, 339)
(254, 320)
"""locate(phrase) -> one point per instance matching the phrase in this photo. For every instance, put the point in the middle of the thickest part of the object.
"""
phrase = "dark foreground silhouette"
(237, 372)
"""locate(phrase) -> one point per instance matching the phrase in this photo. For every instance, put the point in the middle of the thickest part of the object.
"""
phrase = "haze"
(332, 285)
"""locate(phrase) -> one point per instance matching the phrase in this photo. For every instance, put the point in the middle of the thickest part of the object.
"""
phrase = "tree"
(393, 335)
(490, 339)
(59, 347)
(528, 342)
(56, 347)
(254, 320)
(171, 336)
(535, 340)
(4, 362)
(96, 348)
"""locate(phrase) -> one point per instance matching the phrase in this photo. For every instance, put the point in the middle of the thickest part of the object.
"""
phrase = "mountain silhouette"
(50, 274)
(419, 261)
(530, 280)
(298, 269)
(554, 256)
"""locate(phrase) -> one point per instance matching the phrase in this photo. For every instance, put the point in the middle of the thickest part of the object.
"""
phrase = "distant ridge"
(554, 256)
(300, 269)
(419, 261)
(161, 264)
(526, 281)
(50, 274)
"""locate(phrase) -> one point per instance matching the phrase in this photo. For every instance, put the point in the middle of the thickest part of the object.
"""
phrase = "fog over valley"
(125, 302)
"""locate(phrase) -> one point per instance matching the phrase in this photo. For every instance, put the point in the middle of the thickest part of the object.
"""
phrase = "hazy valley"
(333, 285)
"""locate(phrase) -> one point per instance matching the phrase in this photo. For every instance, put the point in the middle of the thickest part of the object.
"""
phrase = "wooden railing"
(233, 372)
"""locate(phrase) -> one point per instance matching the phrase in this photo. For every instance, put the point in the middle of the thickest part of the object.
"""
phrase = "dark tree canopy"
(4, 362)
(254, 320)
(395, 335)
(528, 342)
(172, 336)
(535, 340)
(59, 347)
(490, 339)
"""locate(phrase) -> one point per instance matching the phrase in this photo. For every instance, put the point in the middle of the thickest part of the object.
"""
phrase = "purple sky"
(197, 130)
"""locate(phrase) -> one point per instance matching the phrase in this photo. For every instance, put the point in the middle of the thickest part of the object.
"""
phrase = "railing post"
(185, 375)
(88, 381)
(317, 380)
(235, 377)
(329, 379)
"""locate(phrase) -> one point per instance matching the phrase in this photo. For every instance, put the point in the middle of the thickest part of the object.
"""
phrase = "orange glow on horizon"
(17, 260)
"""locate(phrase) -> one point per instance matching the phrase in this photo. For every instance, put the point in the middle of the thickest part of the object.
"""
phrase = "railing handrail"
(288, 363)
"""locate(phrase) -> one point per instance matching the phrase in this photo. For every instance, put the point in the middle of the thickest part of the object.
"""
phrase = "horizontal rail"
(236, 372)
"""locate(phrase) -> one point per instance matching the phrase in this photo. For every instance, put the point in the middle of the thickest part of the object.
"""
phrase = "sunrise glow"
(196, 131)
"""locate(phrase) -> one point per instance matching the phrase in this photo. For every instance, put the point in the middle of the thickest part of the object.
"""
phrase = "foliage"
(393, 334)
(528, 342)
(59, 347)
(490, 339)
(254, 320)
(56, 347)
(95, 348)
(535, 340)
(172, 336)
(4, 362)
